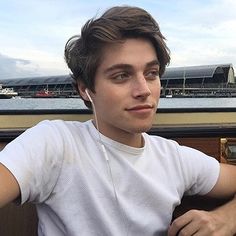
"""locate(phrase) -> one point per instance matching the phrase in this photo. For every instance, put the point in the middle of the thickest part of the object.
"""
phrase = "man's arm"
(226, 183)
(220, 221)
(9, 188)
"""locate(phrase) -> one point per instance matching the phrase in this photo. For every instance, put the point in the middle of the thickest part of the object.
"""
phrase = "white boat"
(7, 92)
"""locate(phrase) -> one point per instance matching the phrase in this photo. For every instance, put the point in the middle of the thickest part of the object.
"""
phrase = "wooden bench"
(18, 220)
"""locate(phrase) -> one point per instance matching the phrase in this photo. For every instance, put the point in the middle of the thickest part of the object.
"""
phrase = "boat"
(44, 94)
(7, 92)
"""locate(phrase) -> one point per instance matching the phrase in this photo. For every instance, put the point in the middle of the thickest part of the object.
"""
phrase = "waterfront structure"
(206, 80)
(55, 86)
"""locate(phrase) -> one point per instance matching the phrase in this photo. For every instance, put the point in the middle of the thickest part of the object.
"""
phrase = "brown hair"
(83, 52)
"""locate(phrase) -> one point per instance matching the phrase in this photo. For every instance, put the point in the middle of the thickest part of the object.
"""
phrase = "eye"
(152, 74)
(120, 77)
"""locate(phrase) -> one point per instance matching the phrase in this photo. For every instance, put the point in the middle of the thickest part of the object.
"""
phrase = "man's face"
(127, 89)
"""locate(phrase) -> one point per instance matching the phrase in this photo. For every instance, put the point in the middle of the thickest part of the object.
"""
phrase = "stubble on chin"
(141, 129)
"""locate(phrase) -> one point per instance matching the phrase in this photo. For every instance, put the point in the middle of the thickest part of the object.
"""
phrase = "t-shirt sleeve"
(200, 172)
(35, 159)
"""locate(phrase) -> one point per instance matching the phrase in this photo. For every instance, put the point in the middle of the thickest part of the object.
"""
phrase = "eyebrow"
(128, 66)
(153, 63)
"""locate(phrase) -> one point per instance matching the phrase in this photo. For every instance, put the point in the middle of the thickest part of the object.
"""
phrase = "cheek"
(156, 89)
(104, 101)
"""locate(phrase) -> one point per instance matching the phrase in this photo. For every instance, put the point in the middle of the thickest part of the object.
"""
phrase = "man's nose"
(140, 87)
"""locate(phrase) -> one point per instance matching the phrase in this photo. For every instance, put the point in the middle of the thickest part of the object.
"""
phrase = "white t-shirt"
(60, 166)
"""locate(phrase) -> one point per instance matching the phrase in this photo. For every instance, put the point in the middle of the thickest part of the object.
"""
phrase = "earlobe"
(88, 95)
(82, 91)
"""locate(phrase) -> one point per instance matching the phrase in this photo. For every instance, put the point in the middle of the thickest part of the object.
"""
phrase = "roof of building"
(203, 71)
(170, 73)
(60, 79)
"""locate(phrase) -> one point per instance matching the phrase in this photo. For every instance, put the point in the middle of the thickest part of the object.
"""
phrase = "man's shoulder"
(54, 129)
(160, 140)
(58, 123)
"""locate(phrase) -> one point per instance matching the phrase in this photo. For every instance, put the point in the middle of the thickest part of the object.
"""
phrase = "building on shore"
(46, 86)
(206, 80)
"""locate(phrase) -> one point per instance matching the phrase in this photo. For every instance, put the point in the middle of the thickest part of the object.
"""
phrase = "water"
(41, 103)
(222, 102)
(76, 103)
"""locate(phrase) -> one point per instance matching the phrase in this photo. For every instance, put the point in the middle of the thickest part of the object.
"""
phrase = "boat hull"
(5, 96)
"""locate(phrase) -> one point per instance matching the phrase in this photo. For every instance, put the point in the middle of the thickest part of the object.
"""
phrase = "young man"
(107, 176)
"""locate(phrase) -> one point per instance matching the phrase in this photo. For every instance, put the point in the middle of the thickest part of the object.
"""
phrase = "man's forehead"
(127, 54)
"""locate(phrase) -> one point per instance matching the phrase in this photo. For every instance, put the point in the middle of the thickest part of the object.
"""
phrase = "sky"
(33, 33)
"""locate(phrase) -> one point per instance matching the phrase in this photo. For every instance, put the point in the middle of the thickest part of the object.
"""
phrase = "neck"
(132, 140)
(128, 138)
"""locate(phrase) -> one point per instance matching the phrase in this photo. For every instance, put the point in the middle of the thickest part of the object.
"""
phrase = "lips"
(140, 107)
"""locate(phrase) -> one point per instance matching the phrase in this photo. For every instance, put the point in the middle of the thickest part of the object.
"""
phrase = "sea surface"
(77, 103)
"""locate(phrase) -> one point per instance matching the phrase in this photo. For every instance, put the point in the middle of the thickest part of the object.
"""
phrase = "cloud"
(204, 35)
(33, 63)
(16, 67)
(32, 43)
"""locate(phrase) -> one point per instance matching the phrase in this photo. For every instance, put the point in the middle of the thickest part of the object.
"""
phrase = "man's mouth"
(140, 107)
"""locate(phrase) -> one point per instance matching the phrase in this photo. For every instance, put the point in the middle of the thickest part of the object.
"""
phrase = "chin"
(142, 128)
(145, 126)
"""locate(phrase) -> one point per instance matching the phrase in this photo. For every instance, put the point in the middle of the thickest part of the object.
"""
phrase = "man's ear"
(82, 88)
